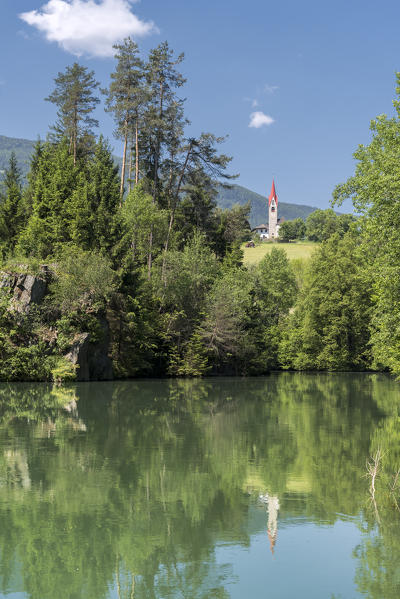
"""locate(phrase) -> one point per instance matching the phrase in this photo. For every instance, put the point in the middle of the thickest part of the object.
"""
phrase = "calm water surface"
(152, 489)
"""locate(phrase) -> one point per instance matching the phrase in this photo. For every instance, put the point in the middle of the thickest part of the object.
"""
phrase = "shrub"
(83, 280)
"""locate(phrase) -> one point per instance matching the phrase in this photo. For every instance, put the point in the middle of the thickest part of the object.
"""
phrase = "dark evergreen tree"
(53, 191)
(29, 190)
(232, 227)
(72, 204)
(11, 212)
(104, 192)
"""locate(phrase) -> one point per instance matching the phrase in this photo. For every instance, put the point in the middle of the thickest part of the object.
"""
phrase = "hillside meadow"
(300, 249)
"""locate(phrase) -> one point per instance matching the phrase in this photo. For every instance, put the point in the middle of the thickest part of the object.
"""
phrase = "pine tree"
(126, 96)
(54, 185)
(104, 191)
(163, 110)
(29, 190)
(75, 99)
(11, 213)
(162, 79)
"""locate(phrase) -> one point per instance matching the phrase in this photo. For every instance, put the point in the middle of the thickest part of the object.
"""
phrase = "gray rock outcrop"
(26, 289)
(91, 359)
(90, 356)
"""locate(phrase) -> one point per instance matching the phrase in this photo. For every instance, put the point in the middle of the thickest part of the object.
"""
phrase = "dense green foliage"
(225, 198)
(347, 315)
(329, 328)
(149, 251)
(158, 262)
(292, 229)
(375, 192)
(322, 224)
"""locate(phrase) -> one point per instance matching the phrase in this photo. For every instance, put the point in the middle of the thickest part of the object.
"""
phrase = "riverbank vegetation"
(141, 266)
(142, 262)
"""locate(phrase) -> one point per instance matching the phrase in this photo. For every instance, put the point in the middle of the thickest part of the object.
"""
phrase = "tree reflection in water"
(132, 486)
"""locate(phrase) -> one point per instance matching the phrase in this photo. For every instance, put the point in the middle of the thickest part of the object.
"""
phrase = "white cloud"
(255, 103)
(259, 119)
(89, 27)
(270, 89)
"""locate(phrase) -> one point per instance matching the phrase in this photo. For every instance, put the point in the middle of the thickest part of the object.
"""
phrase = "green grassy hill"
(258, 214)
(300, 249)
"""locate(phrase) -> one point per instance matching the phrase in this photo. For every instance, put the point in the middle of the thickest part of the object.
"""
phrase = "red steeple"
(272, 195)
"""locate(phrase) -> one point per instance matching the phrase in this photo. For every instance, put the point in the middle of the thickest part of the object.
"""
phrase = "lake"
(199, 489)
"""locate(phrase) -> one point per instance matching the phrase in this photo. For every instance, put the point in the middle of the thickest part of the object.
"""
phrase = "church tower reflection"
(273, 511)
(272, 503)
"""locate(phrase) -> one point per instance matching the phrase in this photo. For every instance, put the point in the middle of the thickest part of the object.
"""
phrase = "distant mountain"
(23, 150)
(258, 206)
(226, 197)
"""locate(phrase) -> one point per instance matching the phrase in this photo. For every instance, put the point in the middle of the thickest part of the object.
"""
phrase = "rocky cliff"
(25, 293)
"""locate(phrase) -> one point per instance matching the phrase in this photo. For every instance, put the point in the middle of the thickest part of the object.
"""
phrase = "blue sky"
(308, 75)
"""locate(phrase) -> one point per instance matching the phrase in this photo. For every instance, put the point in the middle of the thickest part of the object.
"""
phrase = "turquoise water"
(226, 488)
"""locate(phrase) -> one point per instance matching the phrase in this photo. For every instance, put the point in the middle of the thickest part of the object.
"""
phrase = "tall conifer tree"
(163, 108)
(55, 182)
(126, 97)
(75, 99)
(11, 216)
(104, 191)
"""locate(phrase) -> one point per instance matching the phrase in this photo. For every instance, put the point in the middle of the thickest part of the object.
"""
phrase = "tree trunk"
(71, 144)
(156, 159)
(178, 189)
(173, 208)
(75, 134)
(74, 148)
(130, 167)
(121, 189)
(137, 153)
(158, 144)
(171, 222)
(150, 257)
(170, 179)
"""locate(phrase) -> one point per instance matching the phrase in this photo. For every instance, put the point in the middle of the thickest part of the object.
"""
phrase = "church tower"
(273, 213)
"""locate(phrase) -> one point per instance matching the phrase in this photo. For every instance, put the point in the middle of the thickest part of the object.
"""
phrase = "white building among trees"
(270, 231)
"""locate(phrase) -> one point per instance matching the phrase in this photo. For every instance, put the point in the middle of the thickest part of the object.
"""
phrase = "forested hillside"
(226, 198)
(236, 194)
(22, 149)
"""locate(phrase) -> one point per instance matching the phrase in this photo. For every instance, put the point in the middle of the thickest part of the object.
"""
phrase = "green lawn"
(300, 249)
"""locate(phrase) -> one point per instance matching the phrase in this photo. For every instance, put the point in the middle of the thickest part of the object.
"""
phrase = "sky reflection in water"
(151, 489)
